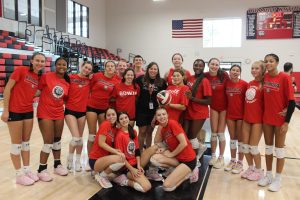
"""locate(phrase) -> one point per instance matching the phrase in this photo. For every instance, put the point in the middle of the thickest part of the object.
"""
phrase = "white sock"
(19, 172)
(78, 156)
(103, 174)
(269, 173)
(138, 187)
(70, 156)
(213, 154)
(26, 169)
(278, 176)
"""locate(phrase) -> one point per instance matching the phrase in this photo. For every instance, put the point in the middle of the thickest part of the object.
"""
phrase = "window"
(78, 23)
(222, 33)
(23, 10)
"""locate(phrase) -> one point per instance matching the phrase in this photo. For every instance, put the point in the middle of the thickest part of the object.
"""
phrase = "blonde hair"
(262, 66)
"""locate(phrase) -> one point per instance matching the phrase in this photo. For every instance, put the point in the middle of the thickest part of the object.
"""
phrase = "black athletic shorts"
(95, 110)
(74, 113)
(191, 164)
(92, 163)
(143, 119)
(19, 116)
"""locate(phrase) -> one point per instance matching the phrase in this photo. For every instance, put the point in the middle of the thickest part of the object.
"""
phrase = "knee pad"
(269, 150)
(25, 146)
(154, 162)
(254, 150)
(15, 149)
(195, 143)
(116, 166)
(214, 137)
(245, 148)
(138, 187)
(56, 145)
(73, 141)
(79, 141)
(233, 144)
(221, 137)
(279, 153)
(91, 137)
(240, 147)
(169, 189)
(47, 148)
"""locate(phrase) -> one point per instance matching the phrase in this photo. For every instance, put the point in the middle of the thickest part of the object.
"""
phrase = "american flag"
(187, 28)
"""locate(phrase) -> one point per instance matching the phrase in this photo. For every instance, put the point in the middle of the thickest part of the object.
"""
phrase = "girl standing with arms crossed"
(235, 92)
(75, 112)
(279, 105)
(53, 89)
(252, 124)
(217, 78)
(18, 114)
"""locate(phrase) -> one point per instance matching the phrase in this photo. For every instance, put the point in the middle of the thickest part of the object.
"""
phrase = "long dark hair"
(31, 65)
(146, 79)
(199, 77)
(220, 72)
(133, 81)
(66, 76)
(105, 113)
(86, 62)
(130, 128)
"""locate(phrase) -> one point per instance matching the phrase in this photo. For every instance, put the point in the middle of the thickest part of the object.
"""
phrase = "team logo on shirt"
(215, 83)
(31, 80)
(233, 91)
(58, 91)
(268, 86)
(250, 95)
(131, 147)
(127, 93)
(174, 92)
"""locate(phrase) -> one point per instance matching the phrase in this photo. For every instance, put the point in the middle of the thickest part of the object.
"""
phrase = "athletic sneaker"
(201, 150)
(103, 181)
(237, 168)
(70, 166)
(194, 175)
(247, 173)
(168, 171)
(45, 176)
(32, 175)
(152, 174)
(275, 185)
(230, 165)
(24, 180)
(256, 175)
(219, 164)
(212, 161)
(198, 164)
(121, 180)
(60, 170)
(266, 180)
(78, 167)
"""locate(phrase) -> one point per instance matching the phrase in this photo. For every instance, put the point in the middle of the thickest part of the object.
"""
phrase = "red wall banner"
(273, 22)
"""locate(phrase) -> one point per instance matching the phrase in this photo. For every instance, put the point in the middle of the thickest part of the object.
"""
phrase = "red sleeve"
(176, 127)
(206, 88)
(104, 128)
(119, 144)
(16, 75)
(289, 90)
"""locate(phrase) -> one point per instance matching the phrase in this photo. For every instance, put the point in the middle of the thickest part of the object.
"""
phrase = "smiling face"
(177, 61)
(198, 67)
(38, 62)
(61, 66)
(138, 62)
(177, 78)
(235, 73)
(213, 66)
(86, 69)
(124, 120)
(258, 70)
(271, 63)
(161, 116)
(129, 76)
(111, 116)
(153, 71)
(121, 67)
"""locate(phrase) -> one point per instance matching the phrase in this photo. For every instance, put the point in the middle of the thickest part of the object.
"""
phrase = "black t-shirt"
(145, 98)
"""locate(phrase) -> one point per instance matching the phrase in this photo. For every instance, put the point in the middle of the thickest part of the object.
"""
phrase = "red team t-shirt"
(253, 107)
(278, 90)
(22, 94)
(178, 97)
(78, 93)
(169, 134)
(101, 91)
(218, 98)
(169, 78)
(125, 96)
(109, 132)
(235, 93)
(53, 92)
(196, 110)
(127, 145)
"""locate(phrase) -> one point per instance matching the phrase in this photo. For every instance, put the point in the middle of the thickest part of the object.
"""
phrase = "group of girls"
(116, 152)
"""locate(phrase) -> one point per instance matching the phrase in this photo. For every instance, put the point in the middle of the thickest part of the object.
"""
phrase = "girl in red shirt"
(235, 92)
(177, 61)
(217, 78)
(197, 110)
(75, 111)
(279, 105)
(179, 154)
(104, 159)
(179, 100)
(127, 142)
(101, 89)
(18, 114)
(53, 88)
(252, 124)
(126, 93)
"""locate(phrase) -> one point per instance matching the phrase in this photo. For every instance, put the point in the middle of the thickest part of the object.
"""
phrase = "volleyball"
(164, 97)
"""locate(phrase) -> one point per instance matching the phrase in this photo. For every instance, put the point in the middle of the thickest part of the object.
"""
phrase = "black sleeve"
(137, 152)
(290, 110)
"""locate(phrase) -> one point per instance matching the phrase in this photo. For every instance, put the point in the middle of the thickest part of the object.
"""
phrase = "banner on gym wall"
(273, 22)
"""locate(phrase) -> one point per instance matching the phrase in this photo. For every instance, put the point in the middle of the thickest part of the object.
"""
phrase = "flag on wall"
(187, 28)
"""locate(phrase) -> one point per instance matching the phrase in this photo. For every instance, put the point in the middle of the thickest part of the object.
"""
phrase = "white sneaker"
(70, 165)
(275, 185)
(266, 180)
(212, 161)
(201, 150)
(78, 167)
